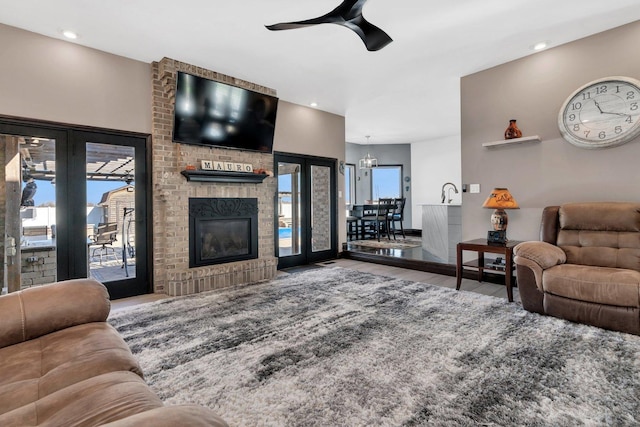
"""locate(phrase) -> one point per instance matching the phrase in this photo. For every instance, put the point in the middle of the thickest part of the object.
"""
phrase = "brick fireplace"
(222, 230)
(174, 274)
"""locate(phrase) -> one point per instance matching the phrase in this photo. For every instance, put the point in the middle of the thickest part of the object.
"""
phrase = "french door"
(306, 229)
(77, 207)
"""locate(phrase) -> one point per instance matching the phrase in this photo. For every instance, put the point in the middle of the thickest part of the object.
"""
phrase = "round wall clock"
(603, 113)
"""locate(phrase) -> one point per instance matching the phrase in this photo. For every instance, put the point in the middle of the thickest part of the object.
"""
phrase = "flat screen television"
(217, 114)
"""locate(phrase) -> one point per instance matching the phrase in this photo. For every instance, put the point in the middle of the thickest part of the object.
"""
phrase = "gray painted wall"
(532, 91)
(387, 154)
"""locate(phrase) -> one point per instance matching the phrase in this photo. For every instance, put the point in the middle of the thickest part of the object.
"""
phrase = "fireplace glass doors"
(222, 230)
(223, 238)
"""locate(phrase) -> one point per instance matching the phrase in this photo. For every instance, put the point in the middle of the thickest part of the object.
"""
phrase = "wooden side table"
(481, 246)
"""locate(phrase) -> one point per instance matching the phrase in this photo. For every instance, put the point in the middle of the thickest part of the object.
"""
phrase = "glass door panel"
(111, 195)
(28, 212)
(52, 205)
(108, 175)
(320, 208)
(289, 215)
(306, 209)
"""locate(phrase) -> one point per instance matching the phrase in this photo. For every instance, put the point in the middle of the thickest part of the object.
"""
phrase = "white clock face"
(601, 114)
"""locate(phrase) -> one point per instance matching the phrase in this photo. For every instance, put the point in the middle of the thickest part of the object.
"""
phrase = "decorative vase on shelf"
(512, 131)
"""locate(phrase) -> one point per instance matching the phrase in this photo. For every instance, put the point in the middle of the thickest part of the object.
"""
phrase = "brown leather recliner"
(62, 364)
(586, 268)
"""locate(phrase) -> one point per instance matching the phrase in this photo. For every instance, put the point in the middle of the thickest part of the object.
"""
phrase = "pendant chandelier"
(368, 162)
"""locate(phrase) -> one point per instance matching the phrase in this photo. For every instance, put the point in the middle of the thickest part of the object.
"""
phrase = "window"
(386, 182)
(349, 184)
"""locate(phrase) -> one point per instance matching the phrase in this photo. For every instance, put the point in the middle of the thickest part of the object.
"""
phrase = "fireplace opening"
(222, 230)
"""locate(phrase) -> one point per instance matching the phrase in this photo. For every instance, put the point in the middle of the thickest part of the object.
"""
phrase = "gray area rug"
(336, 347)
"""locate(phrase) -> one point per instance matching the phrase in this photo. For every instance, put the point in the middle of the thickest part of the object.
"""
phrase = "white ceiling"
(406, 92)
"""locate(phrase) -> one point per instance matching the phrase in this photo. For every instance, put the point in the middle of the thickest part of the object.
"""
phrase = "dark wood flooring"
(414, 258)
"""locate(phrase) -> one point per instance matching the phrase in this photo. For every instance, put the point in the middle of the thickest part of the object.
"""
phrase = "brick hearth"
(171, 193)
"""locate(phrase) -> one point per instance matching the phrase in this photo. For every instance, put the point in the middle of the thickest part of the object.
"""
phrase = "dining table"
(367, 211)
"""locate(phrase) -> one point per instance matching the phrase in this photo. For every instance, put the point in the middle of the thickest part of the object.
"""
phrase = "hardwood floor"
(483, 288)
(120, 304)
(415, 263)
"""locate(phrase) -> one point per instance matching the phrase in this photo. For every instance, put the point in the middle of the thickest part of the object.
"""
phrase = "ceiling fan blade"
(348, 9)
(298, 24)
(348, 14)
(374, 38)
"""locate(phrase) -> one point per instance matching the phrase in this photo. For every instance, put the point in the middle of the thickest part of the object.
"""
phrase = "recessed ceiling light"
(314, 104)
(540, 46)
(70, 34)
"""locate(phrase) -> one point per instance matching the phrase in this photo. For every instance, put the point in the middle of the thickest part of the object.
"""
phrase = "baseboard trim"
(429, 267)
(412, 264)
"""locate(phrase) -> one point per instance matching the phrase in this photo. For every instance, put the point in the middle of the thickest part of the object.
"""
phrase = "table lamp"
(499, 199)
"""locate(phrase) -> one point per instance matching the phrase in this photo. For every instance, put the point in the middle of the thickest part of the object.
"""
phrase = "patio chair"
(103, 240)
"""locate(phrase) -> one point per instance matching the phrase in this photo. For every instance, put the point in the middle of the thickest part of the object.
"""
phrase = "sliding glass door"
(306, 210)
(74, 206)
(31, 253)
(113, 183)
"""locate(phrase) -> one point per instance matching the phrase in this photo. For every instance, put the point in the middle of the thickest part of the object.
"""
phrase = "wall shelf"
(226, 177)
(513, 141)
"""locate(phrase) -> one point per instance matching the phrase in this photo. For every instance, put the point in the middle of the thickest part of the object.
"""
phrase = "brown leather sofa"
(586, 268)
(62, 364)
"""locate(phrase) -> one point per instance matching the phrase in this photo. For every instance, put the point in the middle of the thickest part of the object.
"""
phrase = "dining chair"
(354, 225)
(377, 223)
(397, 216)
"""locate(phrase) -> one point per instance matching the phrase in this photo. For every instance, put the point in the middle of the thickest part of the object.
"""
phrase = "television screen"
(213, 113)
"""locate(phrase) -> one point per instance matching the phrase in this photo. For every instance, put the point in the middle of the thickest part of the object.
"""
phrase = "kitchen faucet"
(443, 195)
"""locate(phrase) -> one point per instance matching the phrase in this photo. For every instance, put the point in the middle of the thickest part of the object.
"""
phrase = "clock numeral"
(602, 135)
(576, 106)
(634, 106)
(586, 96)
(631, 95)
(618, 129)
(600, 90)
(586, 133)
(628, 119)
(576, 128)
(572, 117)
(618, 89)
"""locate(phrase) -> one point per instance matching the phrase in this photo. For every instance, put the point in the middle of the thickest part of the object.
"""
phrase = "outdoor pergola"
(104, 162)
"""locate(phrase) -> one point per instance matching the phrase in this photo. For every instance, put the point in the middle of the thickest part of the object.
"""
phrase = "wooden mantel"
(227, 177)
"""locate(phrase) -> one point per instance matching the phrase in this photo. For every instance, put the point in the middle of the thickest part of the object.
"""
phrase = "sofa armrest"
(171, 416)
(538, 256)
(38, 311)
